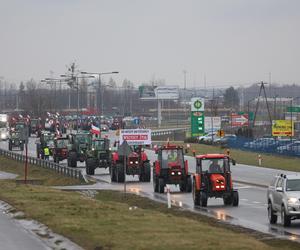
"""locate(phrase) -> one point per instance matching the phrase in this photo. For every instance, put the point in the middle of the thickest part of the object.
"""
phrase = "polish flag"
(95, 130)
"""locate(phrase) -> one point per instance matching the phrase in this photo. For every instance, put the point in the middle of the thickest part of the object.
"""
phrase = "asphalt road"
(14, 237)
(251, 212)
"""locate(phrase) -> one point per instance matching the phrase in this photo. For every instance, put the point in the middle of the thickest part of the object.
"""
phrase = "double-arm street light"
(53, 81)
(100, 103)
(76, 86)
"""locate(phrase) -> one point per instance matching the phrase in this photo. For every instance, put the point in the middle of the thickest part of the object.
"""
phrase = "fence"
(63, 170)
(288, 147)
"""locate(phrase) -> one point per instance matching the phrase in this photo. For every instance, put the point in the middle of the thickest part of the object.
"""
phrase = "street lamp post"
(100, 103)
(77, 88)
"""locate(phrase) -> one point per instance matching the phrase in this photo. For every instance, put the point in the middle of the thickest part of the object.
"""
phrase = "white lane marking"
(243, 187)
(256, 202)
(244, 199)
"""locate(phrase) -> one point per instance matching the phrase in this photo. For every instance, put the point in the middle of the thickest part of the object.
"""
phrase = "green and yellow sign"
(283, 128)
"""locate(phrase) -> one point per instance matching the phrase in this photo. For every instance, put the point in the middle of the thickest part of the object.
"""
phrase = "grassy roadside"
(250, 158)
(106, 222)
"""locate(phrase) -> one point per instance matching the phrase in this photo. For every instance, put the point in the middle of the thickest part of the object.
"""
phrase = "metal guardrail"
(167, 131)
(63, 170)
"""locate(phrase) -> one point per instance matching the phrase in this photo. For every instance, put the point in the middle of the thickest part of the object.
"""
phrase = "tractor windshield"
(99, 145)
(15, 135)
(62, 143)
(215, 165)
(172, 156)
(83, 139)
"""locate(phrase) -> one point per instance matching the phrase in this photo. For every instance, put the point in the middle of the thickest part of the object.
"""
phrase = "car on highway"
(283, 196)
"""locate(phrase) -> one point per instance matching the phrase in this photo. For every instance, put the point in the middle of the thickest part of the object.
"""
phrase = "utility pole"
(262, 88)
(184, 97)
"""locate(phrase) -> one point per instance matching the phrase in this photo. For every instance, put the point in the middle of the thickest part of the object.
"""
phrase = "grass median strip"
(106, 221)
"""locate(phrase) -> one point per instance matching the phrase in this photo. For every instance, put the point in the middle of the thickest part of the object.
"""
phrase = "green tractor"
(98, 155)
(79, 143)
(46, 140)
(16, 140)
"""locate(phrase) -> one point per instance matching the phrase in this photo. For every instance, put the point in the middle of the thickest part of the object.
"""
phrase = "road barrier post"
(168, 196)
(259, 160)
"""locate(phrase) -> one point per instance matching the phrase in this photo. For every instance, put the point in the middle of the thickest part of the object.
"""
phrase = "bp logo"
(197, 104)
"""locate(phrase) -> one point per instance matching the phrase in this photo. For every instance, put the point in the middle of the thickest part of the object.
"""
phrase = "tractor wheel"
(113, 176)
(72, 159)
(285, 219)
(271, 214)
(196, 195)
(161, 185)
(90, 166)
(155, 182)
(182, 186)
(188, 187)
(235, 199)
(9, 146)
(120, 173)
(227, 199)
(203, 199)
(147, 172)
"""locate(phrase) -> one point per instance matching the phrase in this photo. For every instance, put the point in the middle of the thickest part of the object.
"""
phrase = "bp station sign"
(197, 116)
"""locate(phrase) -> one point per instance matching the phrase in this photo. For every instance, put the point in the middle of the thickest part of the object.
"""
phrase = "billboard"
(282, 128)
(197, 104)
(239, 120)
(135, 136)
(212, 123)
(149, 92)
(167, 92)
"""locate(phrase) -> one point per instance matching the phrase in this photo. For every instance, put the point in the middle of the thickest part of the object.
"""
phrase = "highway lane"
(251, 213)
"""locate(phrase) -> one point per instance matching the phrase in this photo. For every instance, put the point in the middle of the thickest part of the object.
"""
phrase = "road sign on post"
(239, 120)
(293, 109)
(124, 150)
(136, 136)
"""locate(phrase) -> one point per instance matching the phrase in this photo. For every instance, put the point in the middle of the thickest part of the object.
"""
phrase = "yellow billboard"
(283, 128)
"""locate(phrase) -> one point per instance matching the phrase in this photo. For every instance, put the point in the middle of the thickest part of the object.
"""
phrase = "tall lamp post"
(76, 86)
(100, 104)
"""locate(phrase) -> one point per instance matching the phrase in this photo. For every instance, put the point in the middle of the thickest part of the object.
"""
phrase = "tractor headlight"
(292, 200)
(131, 162)
(179, 173)
(136, 162)
(93, 149)
(172, 173)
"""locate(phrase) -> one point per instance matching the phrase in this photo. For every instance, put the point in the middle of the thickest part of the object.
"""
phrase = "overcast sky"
(229, 41)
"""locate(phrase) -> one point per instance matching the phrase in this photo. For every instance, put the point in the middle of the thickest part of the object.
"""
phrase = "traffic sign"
(293, 109)
(239, 120)
(124, 149)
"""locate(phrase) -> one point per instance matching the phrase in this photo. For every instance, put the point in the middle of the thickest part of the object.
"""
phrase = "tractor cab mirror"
(279, 189)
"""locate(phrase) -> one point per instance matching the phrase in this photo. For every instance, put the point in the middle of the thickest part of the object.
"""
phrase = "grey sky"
(231, 41)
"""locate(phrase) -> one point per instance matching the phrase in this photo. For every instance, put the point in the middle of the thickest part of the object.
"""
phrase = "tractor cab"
(171, 168)
(213, 179)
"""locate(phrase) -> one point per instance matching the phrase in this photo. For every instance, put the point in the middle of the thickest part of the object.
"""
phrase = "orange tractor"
(213, 179)
(171, 168)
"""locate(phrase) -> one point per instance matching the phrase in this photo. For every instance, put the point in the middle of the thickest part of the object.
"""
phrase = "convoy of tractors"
(212, 177)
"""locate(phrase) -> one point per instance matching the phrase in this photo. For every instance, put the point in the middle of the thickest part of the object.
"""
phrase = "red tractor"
(137, 163)
(60, 149)
(171, 168)
(213, 179)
